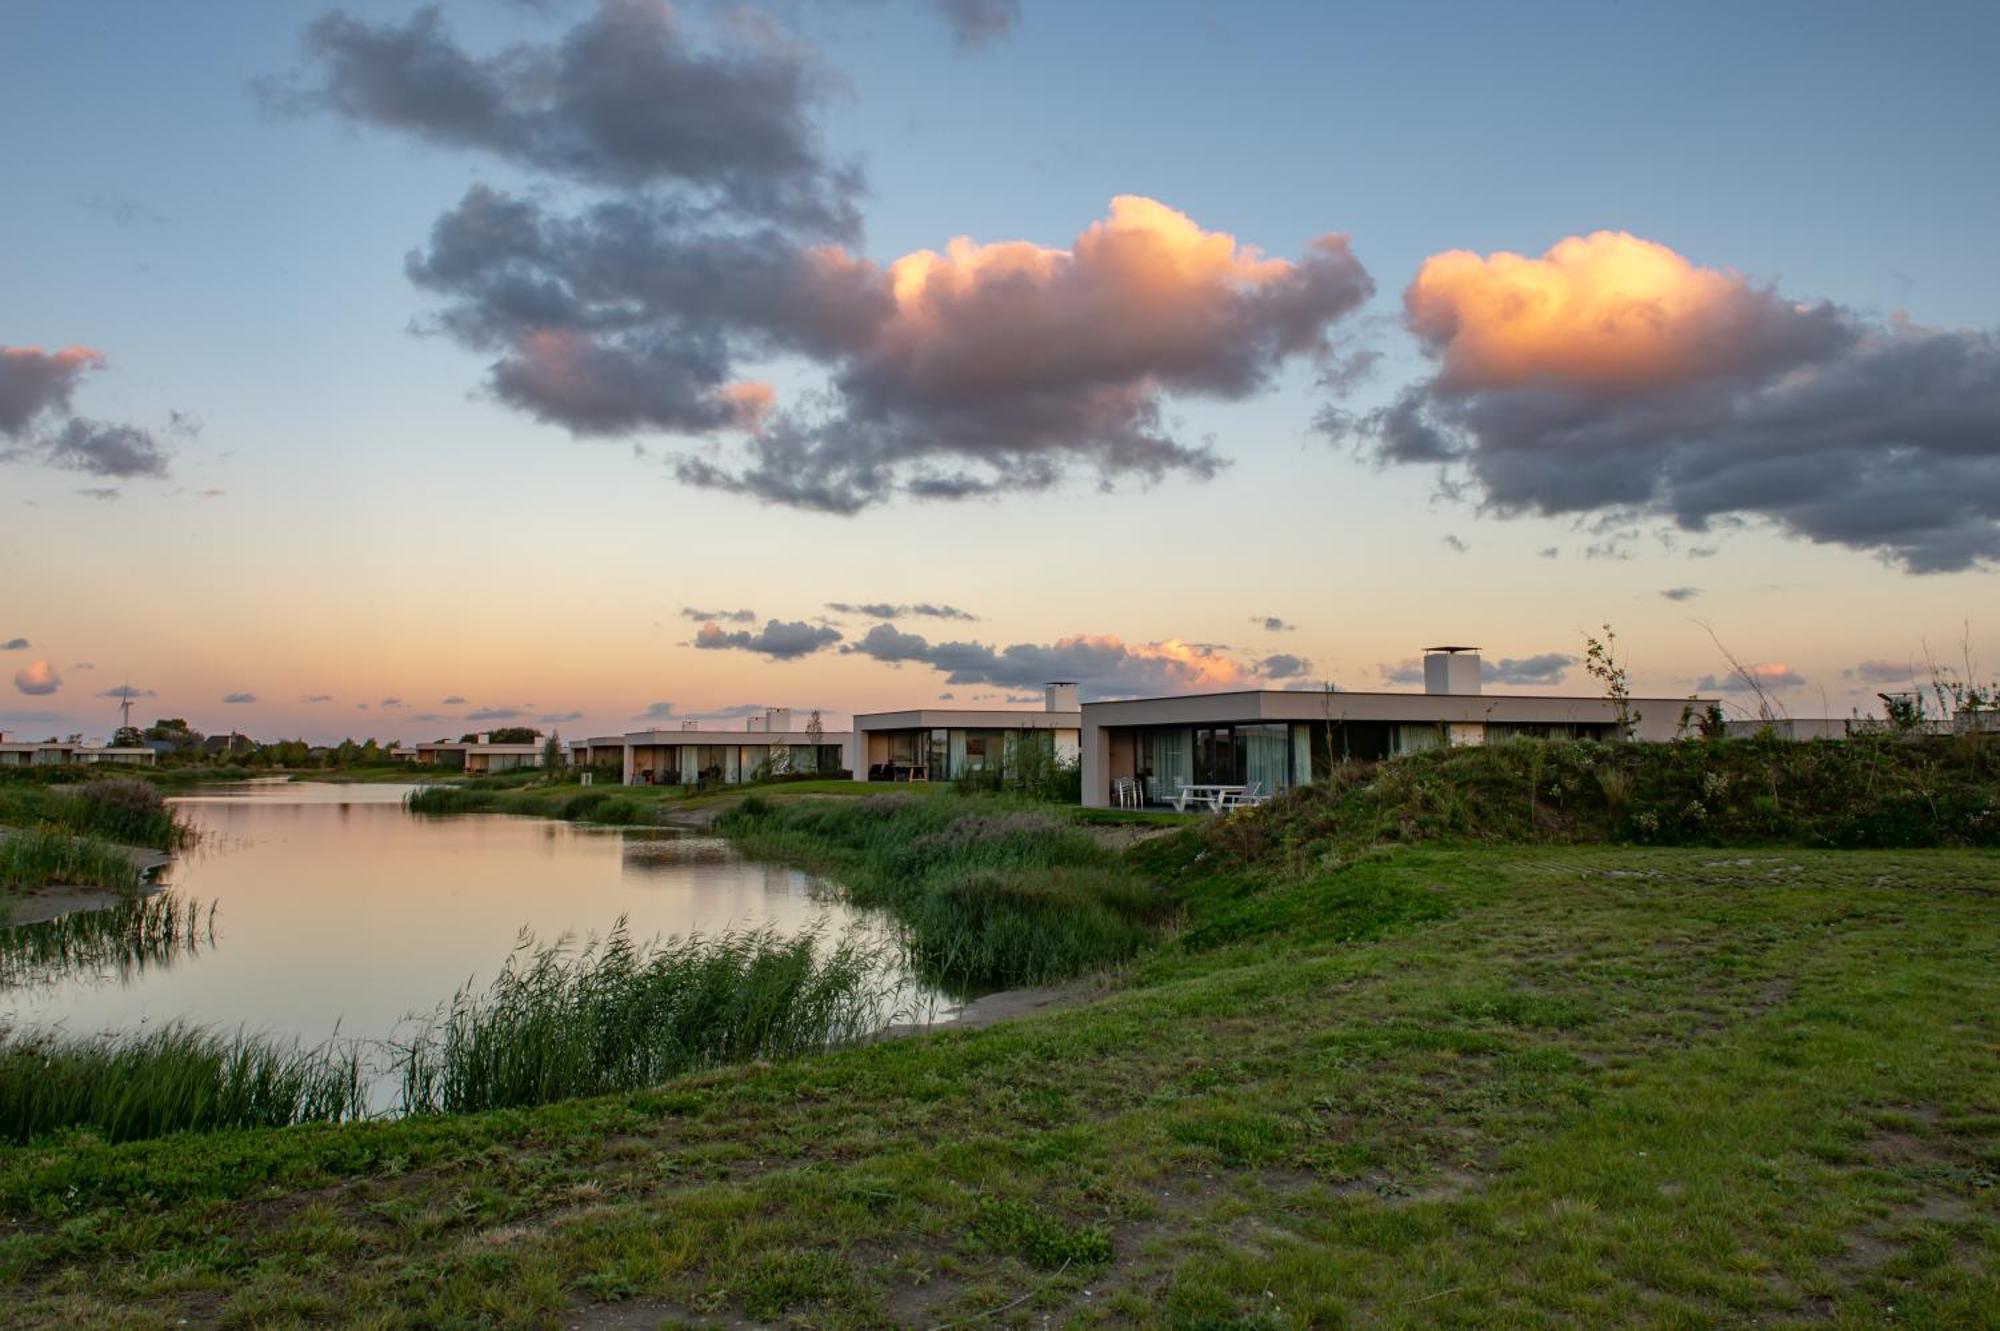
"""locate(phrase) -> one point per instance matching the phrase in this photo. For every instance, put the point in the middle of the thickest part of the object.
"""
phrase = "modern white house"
(598, 751)
(945, 743)
(1265, 741)
(129, 755)
(37, 753)
(701, 753)
(479, 756)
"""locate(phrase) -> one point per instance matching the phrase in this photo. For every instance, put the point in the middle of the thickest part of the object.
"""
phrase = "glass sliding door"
(1267, 757)
(1167, 758)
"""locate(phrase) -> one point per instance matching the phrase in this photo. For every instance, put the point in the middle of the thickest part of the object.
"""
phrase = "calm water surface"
(337, 908)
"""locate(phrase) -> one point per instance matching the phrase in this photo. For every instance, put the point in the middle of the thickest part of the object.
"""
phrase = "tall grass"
(40, 856)
(124, 939)
(559, 1022)
(990, 892)
(175, 1079)
(583, 806)
(117, 808)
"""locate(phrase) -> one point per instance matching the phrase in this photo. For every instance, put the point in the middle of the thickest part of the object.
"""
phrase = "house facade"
(946, 743)
(37, 753)
(700, 753)
(1275, 740)
(480, 756)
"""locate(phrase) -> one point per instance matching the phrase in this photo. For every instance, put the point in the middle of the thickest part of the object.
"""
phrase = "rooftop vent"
(1451, 669)
(1059, 696)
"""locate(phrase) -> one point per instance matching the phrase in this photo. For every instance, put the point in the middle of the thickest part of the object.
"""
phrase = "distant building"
(699, 754)
(945, 743)
(37, 753)
(479, 756)
(233, 745)
(1274, 740)
(129, 755)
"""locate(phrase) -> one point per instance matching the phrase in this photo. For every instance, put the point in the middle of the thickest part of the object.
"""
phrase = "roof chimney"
(485, 737)
(778, 720)
(1451, 670)
(1059, 696)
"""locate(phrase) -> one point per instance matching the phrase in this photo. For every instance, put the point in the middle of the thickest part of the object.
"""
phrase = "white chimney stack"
(1059, 696)
(1451, 670)
(778, 720)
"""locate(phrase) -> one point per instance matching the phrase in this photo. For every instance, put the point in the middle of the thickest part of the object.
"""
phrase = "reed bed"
(178, 1078)
(989, 892)
(121, 940)
(559, 1022)
(42, 856)
(116, 808)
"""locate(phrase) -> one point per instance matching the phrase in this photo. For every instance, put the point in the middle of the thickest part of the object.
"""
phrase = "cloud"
(1101, 665)
(981, 370)
(975, 23)
(102, 493)
(392, 702)
(732, 616)
(623, 99)
(455, 700)
(319, 697)
(656, 711)
(15, 645)
(558, 718)
(33, 381)
(1768, 675)
(1882, 671)
(1544, 668)
(37, 679)
(123, 451)
(891, 610)
(1273, 624)
(239, 698)
(1681, 593)
(495, 714)
(778, 640)
(1612, 374)
(1284, 665)
(1455, 544)
(126, 691)
(1407, 671)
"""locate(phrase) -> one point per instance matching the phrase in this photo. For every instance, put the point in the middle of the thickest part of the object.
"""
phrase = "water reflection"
(345, 913)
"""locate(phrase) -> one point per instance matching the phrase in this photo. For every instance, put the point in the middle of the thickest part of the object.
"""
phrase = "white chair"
(1249, 797)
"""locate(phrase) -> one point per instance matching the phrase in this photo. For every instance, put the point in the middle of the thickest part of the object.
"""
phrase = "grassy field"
(1540, 1087)
(614, 804)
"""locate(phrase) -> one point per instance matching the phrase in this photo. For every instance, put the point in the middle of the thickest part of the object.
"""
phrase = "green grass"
(119, 808)
(618, 805)
(119, 941)
(991, 892)
(557, 1023)
(174, 1079)
(49, 856)
(1549, 1087)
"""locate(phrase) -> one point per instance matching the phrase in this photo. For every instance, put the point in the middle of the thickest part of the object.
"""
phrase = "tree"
(552, 752)
(815, 736)
(1600, 658)
(516, 735)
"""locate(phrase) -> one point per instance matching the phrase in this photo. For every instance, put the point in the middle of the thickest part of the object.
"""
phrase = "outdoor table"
(1208, 794)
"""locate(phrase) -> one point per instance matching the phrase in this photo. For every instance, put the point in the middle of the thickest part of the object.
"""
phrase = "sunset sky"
(400, 371)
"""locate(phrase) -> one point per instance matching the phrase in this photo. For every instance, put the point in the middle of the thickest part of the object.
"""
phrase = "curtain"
(1417, 738)
(1170, 754)
(1267, 758)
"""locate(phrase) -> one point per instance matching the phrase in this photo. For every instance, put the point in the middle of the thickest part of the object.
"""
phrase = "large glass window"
(1267, 756)
(1218, 756)
(938, 756)
(1167, 761)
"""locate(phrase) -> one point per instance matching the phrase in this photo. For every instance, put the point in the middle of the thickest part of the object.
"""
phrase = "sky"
(404, 370)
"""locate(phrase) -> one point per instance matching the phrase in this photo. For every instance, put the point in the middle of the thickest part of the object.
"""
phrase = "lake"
(337, 909)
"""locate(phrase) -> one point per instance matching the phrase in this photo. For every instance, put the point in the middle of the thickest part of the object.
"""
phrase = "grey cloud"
(1273, 623)
(37, 679)
(15, 645)
(732, 616)
(1545, 668)
(123, 211)
(455, 700)
(239, 698)
(1681, 593)
(1101, 667)
(33, 381)
(1455, 544)
(122, 451)
(392, 702)
(623, 99)
(891, 610)
(1882, 671)
(1769, 676)
(1878, 439)
(558, 718)
(104, 493)
(495, 714)
(778, 640)
(975, 23)
(1409, 671)
(127, 691)
(1283, 665)
(657, 711)
(319, 697)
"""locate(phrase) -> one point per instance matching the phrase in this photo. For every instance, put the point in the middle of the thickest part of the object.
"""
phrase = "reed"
(120, 941)
(559, 1022)
(42, 856)
(178, 1078)
(117, 808)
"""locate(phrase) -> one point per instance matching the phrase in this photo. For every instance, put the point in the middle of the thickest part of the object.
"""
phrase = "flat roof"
(732, 736)
(1658, 715)
(995, 717)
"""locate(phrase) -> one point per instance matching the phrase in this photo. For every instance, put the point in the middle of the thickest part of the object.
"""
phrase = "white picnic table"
(1209, 794)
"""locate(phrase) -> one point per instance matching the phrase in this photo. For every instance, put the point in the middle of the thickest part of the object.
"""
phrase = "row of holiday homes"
(1145, 750)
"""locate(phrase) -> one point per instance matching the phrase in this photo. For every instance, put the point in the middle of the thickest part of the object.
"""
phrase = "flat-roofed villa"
(129, 755)
(1261, 742)
(598, 751)
(946, 743)
(702, 753)
(479, 756)
(37, 753)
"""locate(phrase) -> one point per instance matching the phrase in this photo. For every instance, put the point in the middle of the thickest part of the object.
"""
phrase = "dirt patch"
(1009, 1005)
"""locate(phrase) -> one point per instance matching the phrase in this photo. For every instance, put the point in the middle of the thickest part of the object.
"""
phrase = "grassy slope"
(1437, 1087)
